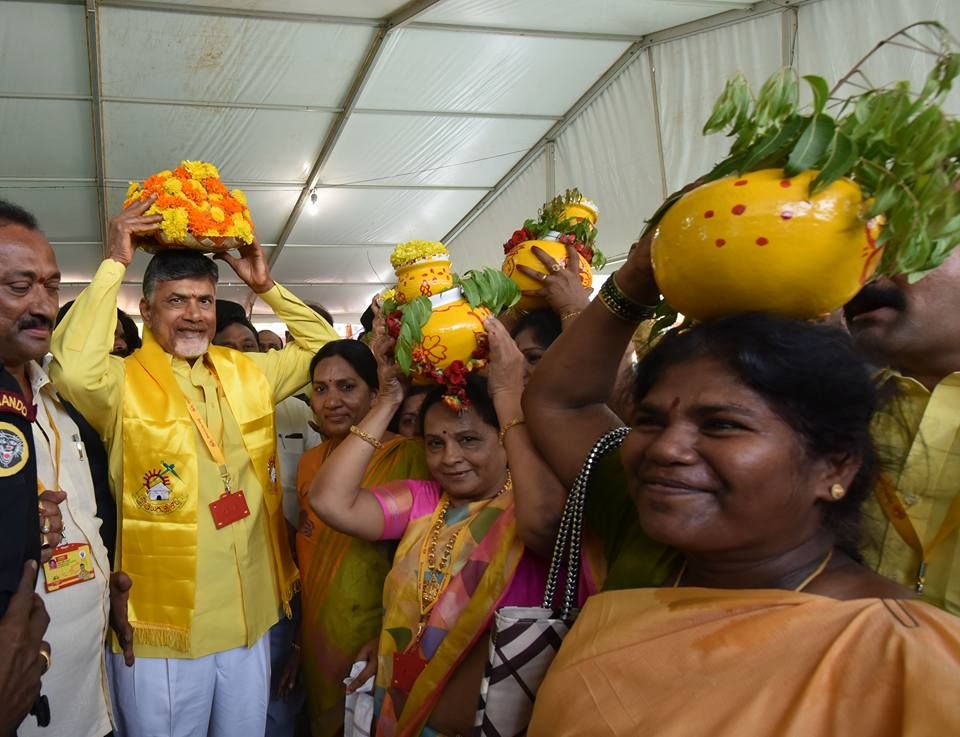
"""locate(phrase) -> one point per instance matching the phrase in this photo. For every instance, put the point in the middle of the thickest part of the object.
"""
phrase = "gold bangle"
(513, 423)
(366, 437)
(47, 661)
(572, 313)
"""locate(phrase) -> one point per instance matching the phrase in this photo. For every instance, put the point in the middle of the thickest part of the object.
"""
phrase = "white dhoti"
(221, 695)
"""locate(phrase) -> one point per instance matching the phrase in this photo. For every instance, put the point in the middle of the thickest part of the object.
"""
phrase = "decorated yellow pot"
(760, 242)
(523, 255)
(585, 210)
(452, 333)
(425, 278)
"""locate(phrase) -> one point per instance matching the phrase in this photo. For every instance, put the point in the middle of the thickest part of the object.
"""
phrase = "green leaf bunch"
(488, 287)
(898, 145)
(416, 313)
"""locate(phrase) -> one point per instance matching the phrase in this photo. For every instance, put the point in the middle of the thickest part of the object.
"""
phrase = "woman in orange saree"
(750, 454)
(342, 576)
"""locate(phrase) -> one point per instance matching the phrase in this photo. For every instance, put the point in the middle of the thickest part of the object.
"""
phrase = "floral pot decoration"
(198, 210)
(568, 219)
(812, 203)
(436, 316)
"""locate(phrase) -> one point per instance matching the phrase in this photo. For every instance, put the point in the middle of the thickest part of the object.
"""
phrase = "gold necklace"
(432, 576)
(803, 584)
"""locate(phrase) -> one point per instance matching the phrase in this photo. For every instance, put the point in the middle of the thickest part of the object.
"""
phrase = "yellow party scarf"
(159, 509)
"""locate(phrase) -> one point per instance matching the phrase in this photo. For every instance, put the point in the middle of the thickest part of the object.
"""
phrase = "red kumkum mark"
(720, 242)
(761, 241)
(739, 209)
(786, 215)
(708, 214)
(785, 183)
(740, 183)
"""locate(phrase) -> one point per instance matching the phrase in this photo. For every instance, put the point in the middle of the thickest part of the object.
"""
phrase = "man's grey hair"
(171, 265)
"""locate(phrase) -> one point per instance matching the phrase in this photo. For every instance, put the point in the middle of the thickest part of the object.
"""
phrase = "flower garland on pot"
(555, 217)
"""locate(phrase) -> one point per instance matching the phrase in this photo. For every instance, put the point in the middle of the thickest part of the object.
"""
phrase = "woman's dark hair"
(545, 324)
(810, 376)
(413, 391)
(237, 320)
(130, 334)
(477, 394)
(357, 354)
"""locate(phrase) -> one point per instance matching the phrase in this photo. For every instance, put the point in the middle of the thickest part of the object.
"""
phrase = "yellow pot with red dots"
(454, 331)
(523, 255)
(761, 243)
(425, 278)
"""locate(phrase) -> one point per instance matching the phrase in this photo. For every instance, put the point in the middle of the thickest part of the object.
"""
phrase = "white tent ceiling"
(424, 119)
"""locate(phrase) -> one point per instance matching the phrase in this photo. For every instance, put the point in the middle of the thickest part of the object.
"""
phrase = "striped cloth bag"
(525, 640)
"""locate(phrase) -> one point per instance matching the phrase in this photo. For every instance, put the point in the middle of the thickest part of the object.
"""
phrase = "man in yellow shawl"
(192, 445)
(914, 329)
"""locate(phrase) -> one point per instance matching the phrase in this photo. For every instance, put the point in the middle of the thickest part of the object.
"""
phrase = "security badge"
(14, 452)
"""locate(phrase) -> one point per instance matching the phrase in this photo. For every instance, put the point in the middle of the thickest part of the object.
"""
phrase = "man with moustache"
(190, 433)
(914, 331)
(74, 580)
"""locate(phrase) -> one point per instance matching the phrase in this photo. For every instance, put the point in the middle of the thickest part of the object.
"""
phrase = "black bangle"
(620, 305)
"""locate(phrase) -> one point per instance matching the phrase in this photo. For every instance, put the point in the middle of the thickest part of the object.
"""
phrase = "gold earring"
(837, 492)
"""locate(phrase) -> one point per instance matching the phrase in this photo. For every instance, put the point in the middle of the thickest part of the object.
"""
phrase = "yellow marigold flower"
(244, 232)
(154, 210)
(217, 214)
(388, 294)
(174, 225)
(133, 189)
(411, 251)
(246, 214)
(204, 205)
(214, 197)
(164, 174)
(231, 232)
(173, 186)
(239, 196)
(200, 170)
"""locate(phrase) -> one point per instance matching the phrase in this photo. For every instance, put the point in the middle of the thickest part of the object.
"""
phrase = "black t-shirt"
(19, 519)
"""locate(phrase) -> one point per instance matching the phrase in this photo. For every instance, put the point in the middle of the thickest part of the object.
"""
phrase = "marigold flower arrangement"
(197, 208)
(436, 317)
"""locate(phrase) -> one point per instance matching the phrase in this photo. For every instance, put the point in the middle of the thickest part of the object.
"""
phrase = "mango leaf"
(775, 145)
(811, 146)
(727, 108)
(841, 157)
(821, 92)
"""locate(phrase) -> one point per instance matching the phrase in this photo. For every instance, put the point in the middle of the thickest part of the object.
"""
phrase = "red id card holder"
(229, 508)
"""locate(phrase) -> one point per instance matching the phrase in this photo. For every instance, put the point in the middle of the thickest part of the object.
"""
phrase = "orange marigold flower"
(215, 186)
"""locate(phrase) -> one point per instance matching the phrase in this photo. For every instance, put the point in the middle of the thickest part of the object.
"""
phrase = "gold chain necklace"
(803, 584)
(433, 574)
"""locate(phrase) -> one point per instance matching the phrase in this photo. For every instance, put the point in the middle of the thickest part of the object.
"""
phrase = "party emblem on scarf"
(157, 494)
(13, 450)
(272, 470)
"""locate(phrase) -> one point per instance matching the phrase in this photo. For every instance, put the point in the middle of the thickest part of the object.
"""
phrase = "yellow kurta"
(918, 431)
(234, 605)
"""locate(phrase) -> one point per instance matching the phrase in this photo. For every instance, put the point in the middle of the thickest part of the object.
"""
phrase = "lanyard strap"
(216, 452)
(900, 519)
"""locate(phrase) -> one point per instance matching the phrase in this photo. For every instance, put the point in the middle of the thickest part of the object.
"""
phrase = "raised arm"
(287, 370)
(83, 369)
(539, 493)
(565, 401)
(336, 494)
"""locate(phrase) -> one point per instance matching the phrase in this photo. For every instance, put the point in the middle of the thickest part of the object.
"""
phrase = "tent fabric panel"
(691, 74)
(624, 178)
(46, 139)
(66, 211)
(346, 264)
(247, 145)
(381, 215)
(423, 150)
(373, 9)
(209, 58)
(478, 72)
(632, 17)
(849, 29)
(29, 32)
(481, 243)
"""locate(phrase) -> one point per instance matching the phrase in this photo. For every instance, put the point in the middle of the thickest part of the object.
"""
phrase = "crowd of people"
(240, 534)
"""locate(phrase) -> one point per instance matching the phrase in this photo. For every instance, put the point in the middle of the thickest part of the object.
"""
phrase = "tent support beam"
(721, 20)
(99, 151)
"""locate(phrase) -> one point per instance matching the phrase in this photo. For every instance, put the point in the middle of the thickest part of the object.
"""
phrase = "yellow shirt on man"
(918, 438)
(235, 601)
